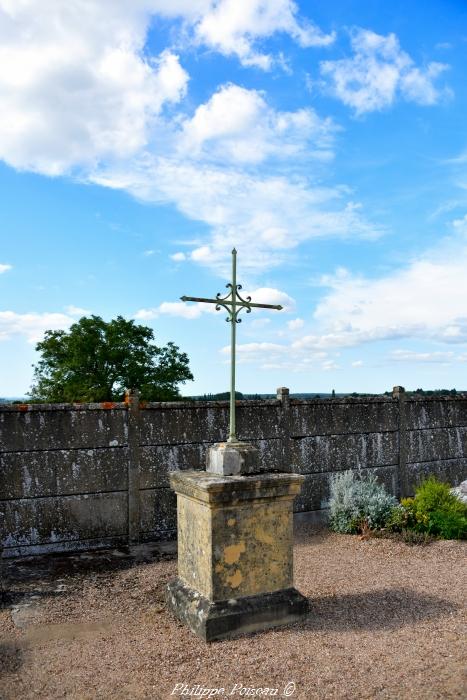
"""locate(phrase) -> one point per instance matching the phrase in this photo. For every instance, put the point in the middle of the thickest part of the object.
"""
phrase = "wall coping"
(163, 405)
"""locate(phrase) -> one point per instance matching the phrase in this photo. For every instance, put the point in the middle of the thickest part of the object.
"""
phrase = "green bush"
(433, 494)
(399, 519)
(434, 510)
(358, 502)
(448, 525)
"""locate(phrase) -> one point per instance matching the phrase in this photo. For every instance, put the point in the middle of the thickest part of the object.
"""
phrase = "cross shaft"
(233, 303)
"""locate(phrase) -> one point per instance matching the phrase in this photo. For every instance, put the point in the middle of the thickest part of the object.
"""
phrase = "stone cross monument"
(235, 528)
(233, 456)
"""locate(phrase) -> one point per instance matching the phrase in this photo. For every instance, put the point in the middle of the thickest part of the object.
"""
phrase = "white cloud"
(255, 348)
(31, 325)
(75, 86)
(4, 268)
(425, 299)
(257, 352)
(148, 253)
(269, 295)
(329, 366)
(232, 27)
(281, 356)
(178, 257)
(237, 125)
(259, 322)
(81, 94)
(412, 356)
(460, 159)
(380, 71)
(264, 216)
(295, 324)
(172, 308)
(77, 311)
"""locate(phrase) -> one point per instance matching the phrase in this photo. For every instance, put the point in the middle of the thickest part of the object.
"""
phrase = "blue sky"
(140, 141)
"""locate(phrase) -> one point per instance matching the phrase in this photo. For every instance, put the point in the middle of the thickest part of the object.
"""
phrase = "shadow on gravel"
(11, 658)
(28, 571)
(56, 575)
(374, 610)
(310, 535)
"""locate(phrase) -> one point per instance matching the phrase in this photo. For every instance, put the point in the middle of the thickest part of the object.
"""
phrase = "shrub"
(399, 519)
(358, 502)
(434, 510)
(433, 494)
(448, 525)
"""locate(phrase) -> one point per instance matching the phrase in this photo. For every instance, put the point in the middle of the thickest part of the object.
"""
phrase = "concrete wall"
(80, 476)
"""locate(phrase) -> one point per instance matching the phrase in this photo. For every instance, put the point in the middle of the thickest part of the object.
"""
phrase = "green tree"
(97, 361)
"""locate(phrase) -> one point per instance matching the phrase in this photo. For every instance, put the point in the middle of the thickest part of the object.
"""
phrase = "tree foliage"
(97, 360)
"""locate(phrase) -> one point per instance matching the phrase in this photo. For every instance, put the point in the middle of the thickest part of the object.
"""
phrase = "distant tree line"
(225, 396)
(222, 396)
(430, 392)
(435, 392)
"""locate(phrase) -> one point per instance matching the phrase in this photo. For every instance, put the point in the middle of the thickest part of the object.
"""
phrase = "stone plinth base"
(235, 552)
(229, 618)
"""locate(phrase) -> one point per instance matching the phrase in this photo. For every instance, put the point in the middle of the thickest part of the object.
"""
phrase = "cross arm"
(230, 303)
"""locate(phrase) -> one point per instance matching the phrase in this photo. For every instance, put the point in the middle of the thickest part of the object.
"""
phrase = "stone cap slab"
(212, 488)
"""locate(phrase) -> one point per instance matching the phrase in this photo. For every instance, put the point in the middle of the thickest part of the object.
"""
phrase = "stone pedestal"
(235, 553)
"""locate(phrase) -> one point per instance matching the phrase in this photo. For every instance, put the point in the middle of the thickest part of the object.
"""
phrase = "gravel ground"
(387, 620)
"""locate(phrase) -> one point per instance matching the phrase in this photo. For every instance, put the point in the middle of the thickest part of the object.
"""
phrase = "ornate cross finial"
(233, 303)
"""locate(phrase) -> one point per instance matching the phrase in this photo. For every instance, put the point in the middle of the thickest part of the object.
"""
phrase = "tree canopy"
(97, 360)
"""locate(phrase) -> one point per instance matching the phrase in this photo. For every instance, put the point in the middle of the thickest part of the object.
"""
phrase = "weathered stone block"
(436, 444)
(230, 618)
(158, 514)
(63, 428)
(232, 458)
(452, 471)
(436, 413)
(329, 453)
(62, 472)
(327, 417)
(68, 518)
(208, 422)
(235, 541)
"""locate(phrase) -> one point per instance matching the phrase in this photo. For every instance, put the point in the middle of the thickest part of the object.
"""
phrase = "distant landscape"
(224, 396)
(320, 395)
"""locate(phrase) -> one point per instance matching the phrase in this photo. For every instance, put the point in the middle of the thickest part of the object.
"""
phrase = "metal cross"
(233, 303)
